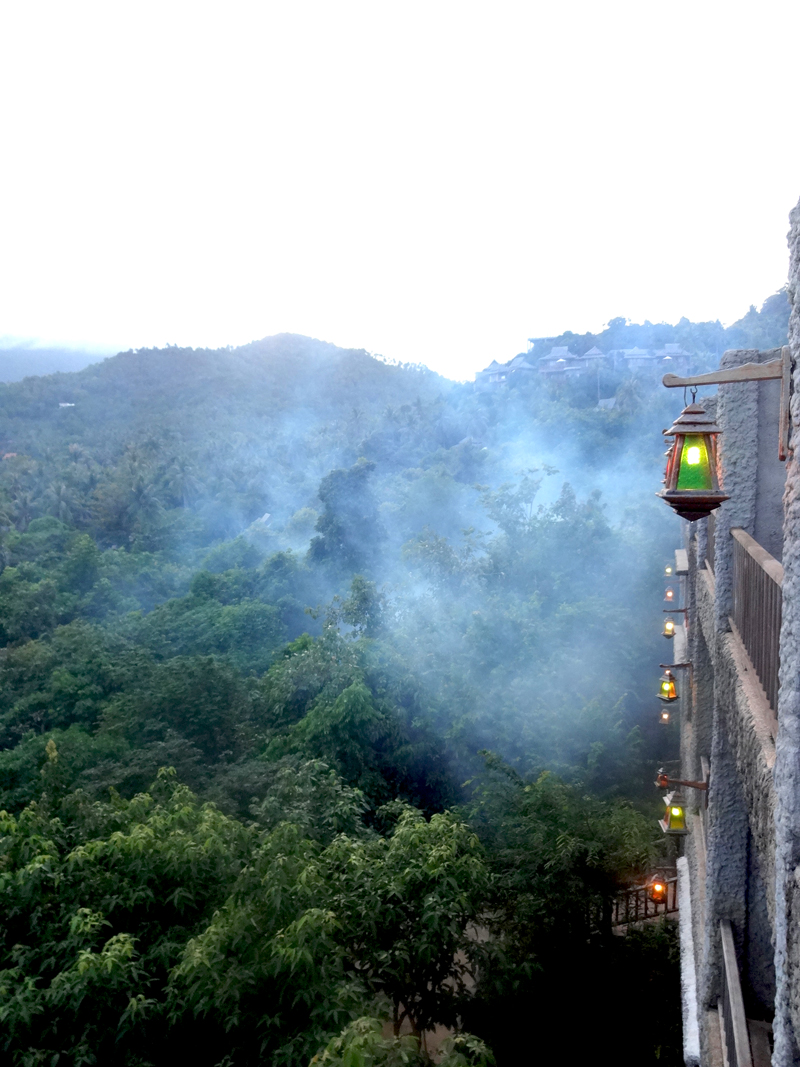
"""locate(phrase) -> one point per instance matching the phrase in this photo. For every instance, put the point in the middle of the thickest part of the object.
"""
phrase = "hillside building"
(561, 362)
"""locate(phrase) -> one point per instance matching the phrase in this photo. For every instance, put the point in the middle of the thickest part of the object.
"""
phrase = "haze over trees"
(325, 709)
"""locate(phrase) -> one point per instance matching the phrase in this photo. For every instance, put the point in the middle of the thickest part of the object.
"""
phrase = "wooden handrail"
(758, 608)
(768, 563)
(737, 1038)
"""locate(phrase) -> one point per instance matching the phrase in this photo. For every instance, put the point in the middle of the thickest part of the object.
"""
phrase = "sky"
(432, 181)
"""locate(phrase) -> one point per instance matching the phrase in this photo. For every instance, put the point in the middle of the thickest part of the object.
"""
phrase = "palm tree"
(144, 506)
(60, 501)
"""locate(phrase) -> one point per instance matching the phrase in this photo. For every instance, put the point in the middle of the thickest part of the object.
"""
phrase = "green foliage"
(98, 901)
(272, 569)
(349, 532)
(362, 1044)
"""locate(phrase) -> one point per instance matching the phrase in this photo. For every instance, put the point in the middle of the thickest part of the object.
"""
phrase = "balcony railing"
(733, 1022)
(757, 603)
(635, 905)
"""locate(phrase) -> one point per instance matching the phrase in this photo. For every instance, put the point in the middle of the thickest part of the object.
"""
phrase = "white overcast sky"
(433, 181)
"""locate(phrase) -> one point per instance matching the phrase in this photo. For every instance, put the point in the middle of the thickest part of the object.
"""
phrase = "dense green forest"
(326, 712)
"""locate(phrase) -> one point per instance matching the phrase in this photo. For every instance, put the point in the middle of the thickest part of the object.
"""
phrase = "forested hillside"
(313, 667)
(766, 327)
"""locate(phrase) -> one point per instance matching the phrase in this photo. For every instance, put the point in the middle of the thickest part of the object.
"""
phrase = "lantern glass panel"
(667, 688)
(695, 467)
(676, 817)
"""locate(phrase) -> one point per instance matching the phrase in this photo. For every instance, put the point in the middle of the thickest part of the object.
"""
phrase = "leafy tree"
(349, 531)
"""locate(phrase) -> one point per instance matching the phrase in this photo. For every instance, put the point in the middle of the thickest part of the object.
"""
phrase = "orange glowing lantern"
(667, 690)
(658, 890)
(669, 594)
(664, 717)
(691, 486)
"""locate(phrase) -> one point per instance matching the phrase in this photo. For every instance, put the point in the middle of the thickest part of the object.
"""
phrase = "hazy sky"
(432, 181)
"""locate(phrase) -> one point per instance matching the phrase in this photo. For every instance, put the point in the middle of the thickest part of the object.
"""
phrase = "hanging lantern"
(657, 890)
(669, 627)
(668, 571)
(691, 486)
(667, 691)
(674, 821)
(669, 594)
(664, 717)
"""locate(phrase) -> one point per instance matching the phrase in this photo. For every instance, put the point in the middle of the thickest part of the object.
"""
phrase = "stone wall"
(787, 762)
(732, 854)
(771, 479)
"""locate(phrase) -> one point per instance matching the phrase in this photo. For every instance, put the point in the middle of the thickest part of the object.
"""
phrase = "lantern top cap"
(692, 419)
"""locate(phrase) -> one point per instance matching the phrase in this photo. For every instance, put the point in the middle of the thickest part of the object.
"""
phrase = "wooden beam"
(752, 372)
(749, 372)
(786, 391)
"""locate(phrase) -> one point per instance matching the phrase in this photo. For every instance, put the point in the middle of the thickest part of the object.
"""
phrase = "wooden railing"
(733, 1022)
(711, 529)
(634, 905)
(757, 604)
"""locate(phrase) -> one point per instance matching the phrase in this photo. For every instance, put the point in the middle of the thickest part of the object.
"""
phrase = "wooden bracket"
(751, 372)
(674, 666)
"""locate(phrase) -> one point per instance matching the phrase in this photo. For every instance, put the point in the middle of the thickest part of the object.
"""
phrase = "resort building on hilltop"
(560, 361)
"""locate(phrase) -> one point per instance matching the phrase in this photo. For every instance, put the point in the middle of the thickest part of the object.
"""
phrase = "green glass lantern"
(674, 821)
(667, 690)
(691, 486)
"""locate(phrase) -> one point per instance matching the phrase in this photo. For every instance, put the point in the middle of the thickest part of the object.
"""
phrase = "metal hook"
(694, 393)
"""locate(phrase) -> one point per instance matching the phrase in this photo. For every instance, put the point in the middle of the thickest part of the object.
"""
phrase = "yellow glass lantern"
(667, 690)
(691, 486)
(664, 717)
(674, 821)
(669, 627)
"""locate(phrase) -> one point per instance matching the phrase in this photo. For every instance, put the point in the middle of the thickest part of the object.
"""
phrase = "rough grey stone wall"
(731, 723)
(787, 761)
(771, 471)
(737, 417)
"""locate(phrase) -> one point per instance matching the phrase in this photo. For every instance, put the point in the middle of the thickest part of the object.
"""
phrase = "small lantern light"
(669, 594)
(667, 691)
(674, 821)
(664, 717)
(658, 890)
(669, 627)
(668, 571)
(690, 484)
